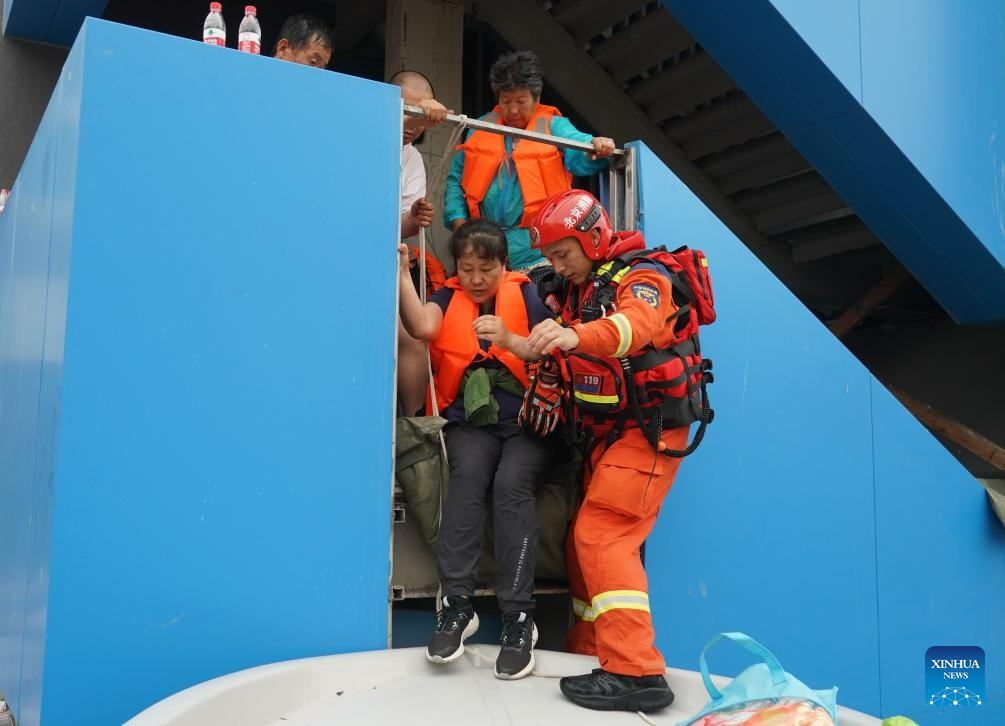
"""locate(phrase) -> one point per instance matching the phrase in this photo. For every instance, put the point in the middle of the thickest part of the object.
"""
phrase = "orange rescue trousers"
(624, 488)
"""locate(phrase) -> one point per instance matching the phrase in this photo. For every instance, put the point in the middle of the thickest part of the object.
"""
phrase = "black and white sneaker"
(455, 623)
(516, 654)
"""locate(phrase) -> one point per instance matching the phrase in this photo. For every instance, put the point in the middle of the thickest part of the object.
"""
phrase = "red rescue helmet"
(572, 214)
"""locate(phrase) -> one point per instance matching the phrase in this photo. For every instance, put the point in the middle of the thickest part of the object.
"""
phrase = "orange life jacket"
(436, 275)
(539, 167)
(457, 347)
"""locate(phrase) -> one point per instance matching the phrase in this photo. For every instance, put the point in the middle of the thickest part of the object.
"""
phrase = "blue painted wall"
(50, 21)
(899, 106)
(197, 327)
(34, 258)
(818, 515)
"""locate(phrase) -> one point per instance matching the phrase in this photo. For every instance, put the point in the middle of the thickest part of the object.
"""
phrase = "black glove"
(542, 411)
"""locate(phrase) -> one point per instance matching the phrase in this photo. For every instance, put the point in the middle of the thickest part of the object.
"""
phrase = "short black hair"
(486, 239)
(515, 70)
(412, 79)
(300, 29)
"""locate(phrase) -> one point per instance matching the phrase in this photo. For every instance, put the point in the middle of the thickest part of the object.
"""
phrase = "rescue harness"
(656, 388)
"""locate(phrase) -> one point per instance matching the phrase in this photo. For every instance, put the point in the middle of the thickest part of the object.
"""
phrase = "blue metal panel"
(34, 248)
(933, 77)
(69, 17)
(67, 98)
(768, 527)
(831, 29)
(51, 21)
(222, 484)
(907, 219)
(937, 175)
(735, 33)
(29, 19)
(941, 564)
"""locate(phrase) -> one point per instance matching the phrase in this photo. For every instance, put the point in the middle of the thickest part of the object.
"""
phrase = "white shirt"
(413, 177)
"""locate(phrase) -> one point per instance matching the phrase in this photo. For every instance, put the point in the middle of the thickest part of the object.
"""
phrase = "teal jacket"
(503, 203)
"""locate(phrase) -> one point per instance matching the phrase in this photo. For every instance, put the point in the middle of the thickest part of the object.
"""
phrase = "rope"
(478, 657)
(435, 179)
(431, 184)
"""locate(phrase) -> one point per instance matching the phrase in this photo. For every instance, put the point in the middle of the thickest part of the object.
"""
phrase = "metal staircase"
(632, 71)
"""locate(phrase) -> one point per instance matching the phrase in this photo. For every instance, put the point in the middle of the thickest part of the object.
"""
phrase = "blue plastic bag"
(762, 695)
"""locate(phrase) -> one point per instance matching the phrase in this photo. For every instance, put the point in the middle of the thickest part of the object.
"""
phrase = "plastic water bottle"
(214, 30)
(249, 37)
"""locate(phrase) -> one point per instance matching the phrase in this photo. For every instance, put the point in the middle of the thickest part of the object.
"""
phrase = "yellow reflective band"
(595, 398)
(581, 610)
(619, 274)
(619, 600)
(624, 333)
(644, 607)
(604, 268)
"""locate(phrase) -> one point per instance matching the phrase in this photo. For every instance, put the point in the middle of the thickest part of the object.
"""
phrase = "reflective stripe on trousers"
(624, 491)
(612, 600)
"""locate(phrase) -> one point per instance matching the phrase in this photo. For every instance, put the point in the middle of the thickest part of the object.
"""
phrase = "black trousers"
(502, 460)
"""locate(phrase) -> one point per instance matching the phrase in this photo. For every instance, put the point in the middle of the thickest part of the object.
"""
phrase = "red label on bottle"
(214, 36)
(249, 43)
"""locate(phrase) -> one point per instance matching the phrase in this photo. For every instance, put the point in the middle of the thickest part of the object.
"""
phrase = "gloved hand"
(542, 403)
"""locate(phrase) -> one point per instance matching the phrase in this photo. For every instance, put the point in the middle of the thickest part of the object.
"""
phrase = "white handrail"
(511, 131)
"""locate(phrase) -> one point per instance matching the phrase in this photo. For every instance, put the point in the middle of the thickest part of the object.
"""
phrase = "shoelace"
(450, 618)
(516, 633)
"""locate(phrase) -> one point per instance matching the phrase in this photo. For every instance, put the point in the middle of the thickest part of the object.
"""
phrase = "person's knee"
(469, 461)
(514, 491)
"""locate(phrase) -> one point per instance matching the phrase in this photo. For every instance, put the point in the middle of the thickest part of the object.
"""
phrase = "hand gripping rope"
(447, 153)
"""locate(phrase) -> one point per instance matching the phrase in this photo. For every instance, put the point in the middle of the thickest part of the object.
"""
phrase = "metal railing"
(480, 125)
(621, 185)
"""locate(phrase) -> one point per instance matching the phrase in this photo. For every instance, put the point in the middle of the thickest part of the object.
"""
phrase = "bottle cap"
(250, 10)
(215, 8)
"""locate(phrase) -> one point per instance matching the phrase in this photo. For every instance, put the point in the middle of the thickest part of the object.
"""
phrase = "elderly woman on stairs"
(507, 180)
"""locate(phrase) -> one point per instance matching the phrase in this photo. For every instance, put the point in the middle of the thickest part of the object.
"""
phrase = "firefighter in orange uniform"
(628, 350)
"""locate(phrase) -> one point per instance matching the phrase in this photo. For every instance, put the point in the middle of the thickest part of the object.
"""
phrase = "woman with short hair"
(476, 326)
(507, 180)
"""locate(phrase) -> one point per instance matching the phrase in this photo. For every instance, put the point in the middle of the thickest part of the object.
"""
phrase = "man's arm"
(435, 112)
(420, 215)
(644, 301)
